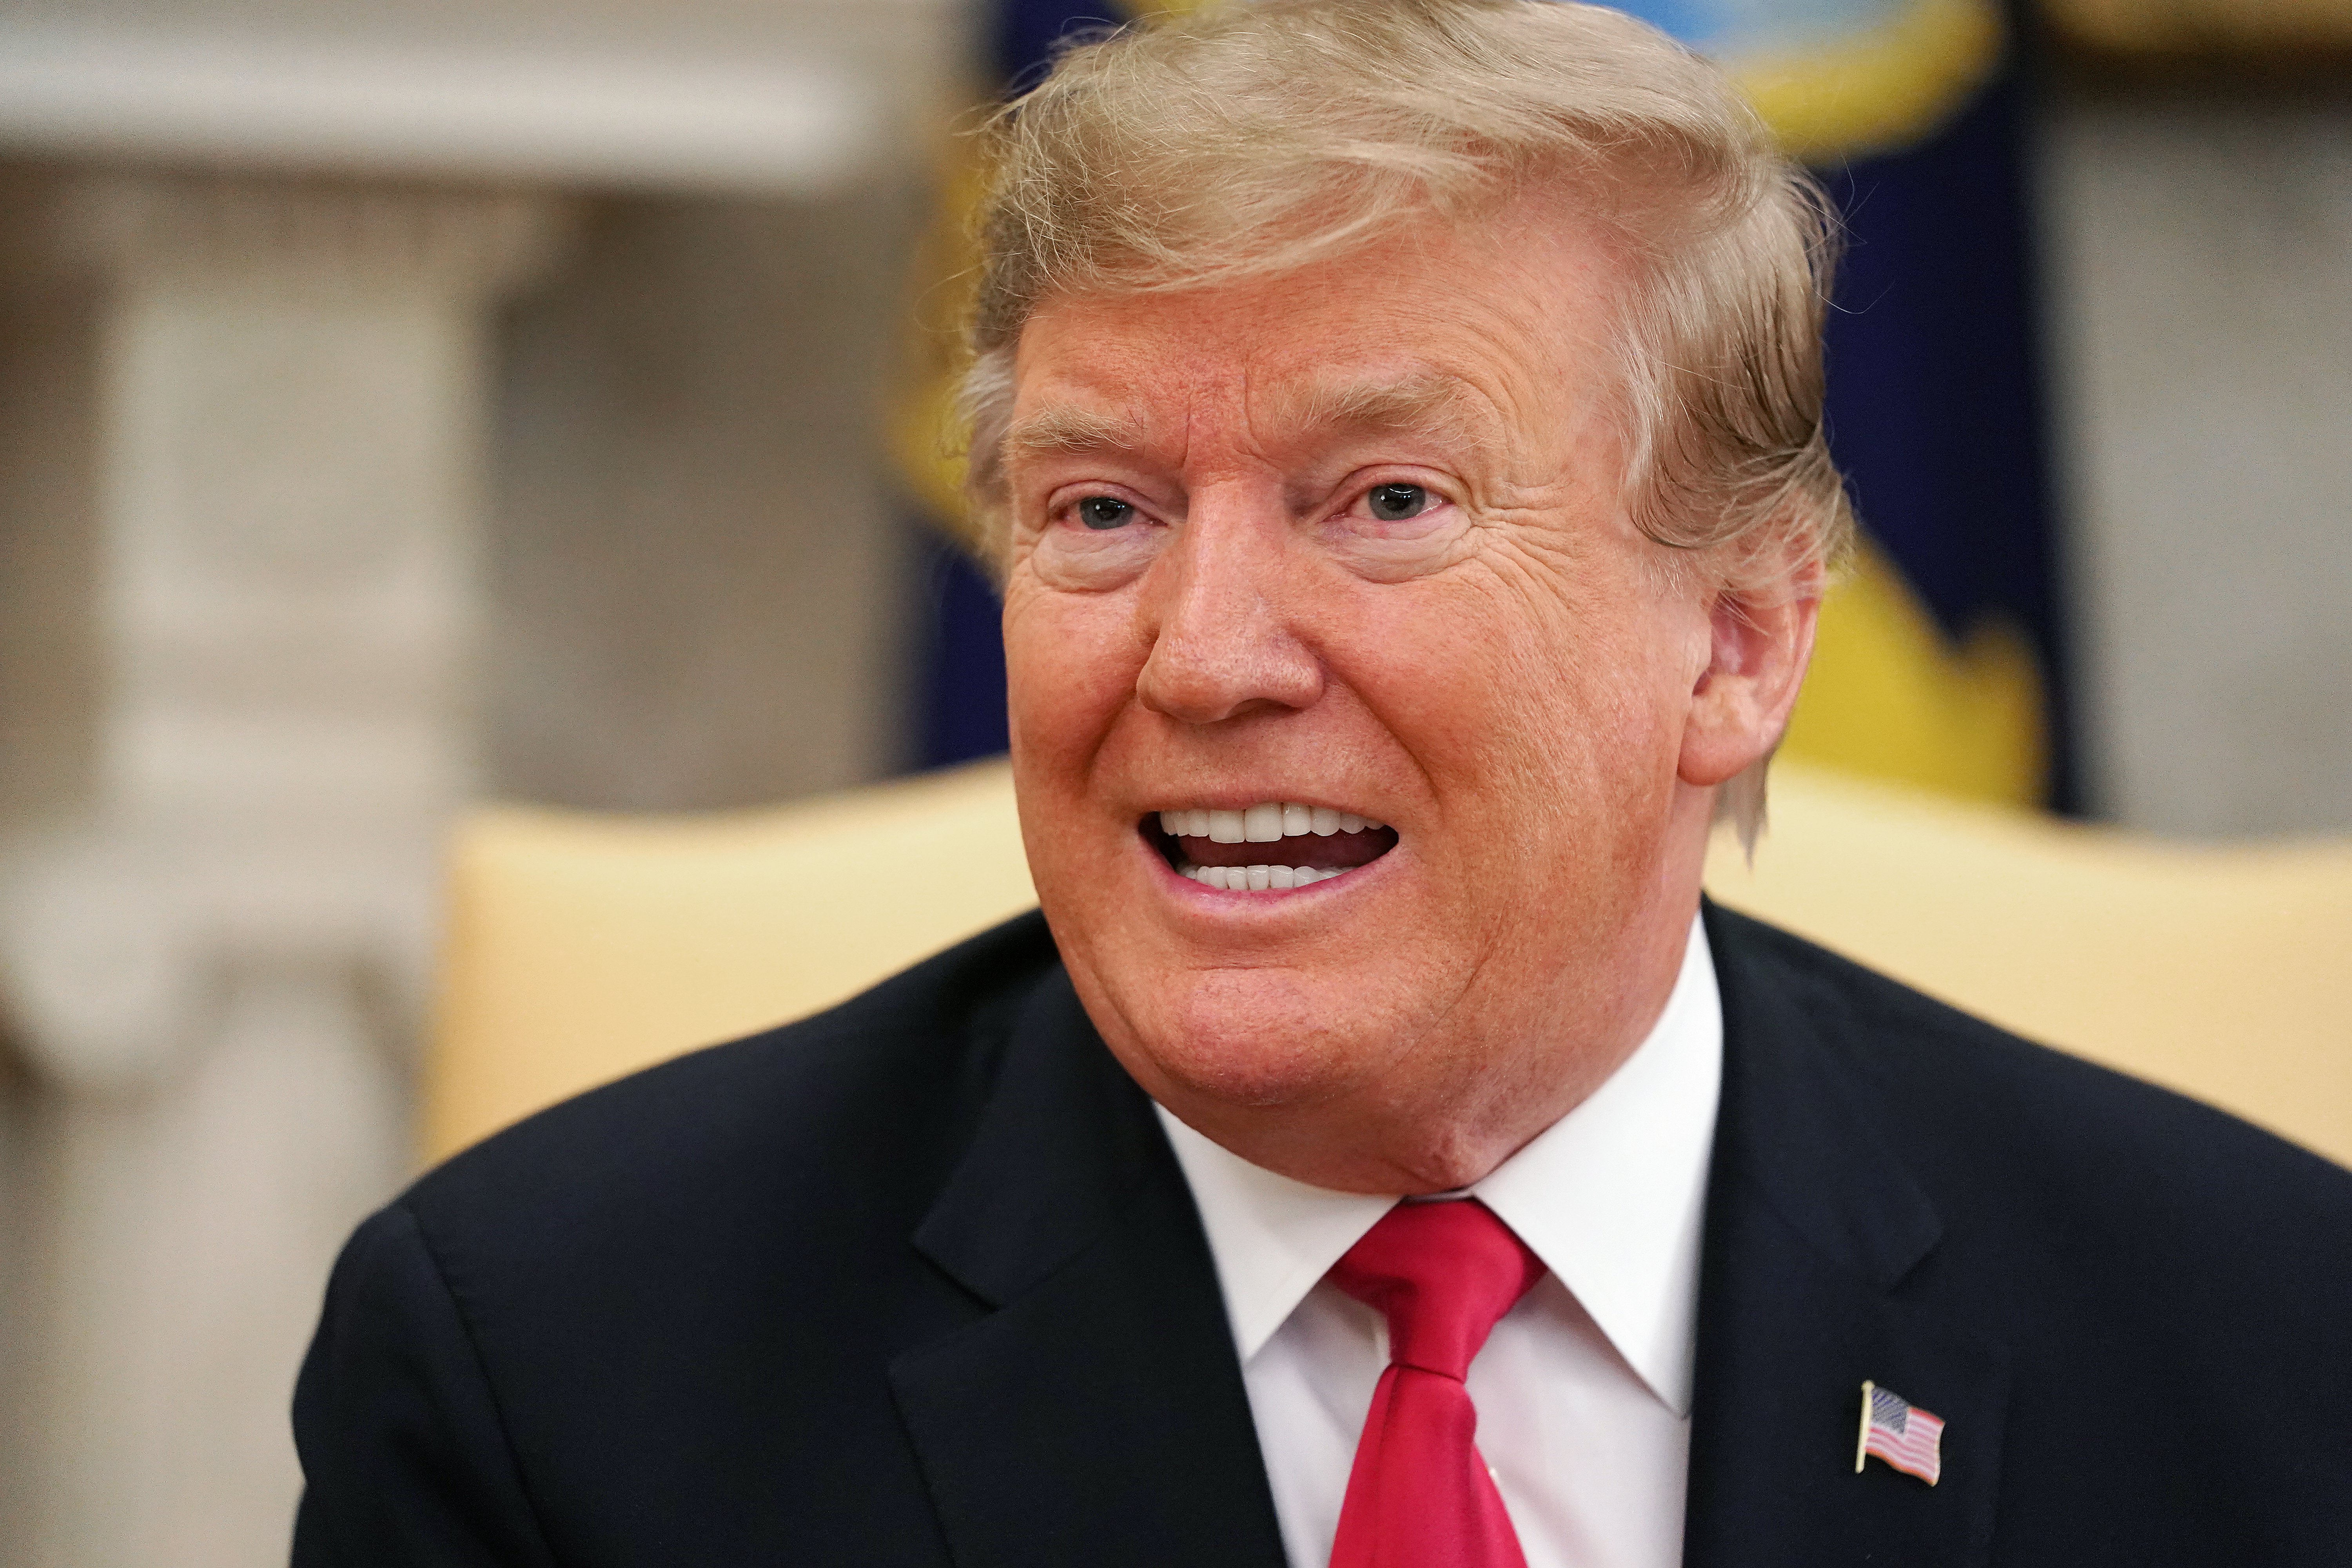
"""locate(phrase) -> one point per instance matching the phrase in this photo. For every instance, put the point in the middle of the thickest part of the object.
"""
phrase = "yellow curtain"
(1891, 697)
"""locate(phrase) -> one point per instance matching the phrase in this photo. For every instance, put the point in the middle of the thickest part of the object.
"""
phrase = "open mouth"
(1266, 848)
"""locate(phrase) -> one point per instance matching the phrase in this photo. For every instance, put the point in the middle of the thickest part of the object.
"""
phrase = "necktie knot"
(1443, 1274)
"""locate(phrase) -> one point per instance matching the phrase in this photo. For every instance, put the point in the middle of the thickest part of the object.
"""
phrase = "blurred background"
(537, 400)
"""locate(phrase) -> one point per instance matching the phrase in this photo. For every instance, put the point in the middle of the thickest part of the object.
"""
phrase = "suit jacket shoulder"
(2129, 1308)
(903, 1283)
(2062, 1159)
(865, 1104)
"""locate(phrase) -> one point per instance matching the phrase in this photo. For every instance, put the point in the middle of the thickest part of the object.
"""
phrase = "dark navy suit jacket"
(919, 1283)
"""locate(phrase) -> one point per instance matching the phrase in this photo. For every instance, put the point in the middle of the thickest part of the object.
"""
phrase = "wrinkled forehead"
(1082, 416)
(1463, 334)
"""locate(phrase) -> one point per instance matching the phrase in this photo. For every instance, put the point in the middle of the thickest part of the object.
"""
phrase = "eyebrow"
(1422, 402)
(1419, 403)
(1066, 430)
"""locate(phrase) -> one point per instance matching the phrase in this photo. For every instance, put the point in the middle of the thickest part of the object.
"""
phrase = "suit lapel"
(1096, 1413)
(1818, 1272)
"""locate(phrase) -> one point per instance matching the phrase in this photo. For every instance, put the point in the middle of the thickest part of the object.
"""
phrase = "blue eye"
(1396, 503)
(1105, 513)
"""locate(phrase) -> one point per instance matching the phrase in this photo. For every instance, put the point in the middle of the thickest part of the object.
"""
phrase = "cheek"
(1528, 699)
(1070, 665)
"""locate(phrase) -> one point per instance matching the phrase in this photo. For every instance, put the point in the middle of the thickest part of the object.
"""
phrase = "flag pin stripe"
(1900, 1433)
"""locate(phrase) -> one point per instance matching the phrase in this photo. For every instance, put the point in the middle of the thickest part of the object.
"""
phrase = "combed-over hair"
(1253, 139)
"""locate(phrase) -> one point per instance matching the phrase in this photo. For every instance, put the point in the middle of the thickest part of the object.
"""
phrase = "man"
(1400, 426)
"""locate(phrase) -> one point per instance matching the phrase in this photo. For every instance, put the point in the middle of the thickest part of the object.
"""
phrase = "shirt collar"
(1610, 1197)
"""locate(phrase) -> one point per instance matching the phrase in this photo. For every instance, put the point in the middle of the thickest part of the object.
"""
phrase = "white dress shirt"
(1583, 1393)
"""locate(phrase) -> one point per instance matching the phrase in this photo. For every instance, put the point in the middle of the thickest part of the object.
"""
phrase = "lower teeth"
(1257, 878)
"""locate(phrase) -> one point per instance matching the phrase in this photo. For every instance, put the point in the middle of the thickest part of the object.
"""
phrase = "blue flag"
(961, 698)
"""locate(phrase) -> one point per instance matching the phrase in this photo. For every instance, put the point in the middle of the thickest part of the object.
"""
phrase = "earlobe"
(1759, 648)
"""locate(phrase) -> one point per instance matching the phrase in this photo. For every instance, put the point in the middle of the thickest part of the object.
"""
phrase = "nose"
(1223, 645)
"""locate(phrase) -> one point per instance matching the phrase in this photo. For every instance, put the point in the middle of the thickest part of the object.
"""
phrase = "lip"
(1198, 897)
(1228, 800)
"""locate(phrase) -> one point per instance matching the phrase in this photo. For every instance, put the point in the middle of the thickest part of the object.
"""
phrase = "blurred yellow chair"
(580, 947)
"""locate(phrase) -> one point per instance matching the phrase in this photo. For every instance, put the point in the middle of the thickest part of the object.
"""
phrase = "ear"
(1760, 644)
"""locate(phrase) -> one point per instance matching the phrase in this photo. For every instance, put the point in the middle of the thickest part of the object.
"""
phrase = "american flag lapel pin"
(1899, 1433)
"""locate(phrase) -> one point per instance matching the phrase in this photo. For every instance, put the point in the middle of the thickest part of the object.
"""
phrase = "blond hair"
(1255, 139)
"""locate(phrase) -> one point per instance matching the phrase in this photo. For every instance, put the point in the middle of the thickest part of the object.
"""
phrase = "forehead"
(1493, 323)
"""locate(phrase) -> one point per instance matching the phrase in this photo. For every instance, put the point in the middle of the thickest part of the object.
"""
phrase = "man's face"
(1350, 541)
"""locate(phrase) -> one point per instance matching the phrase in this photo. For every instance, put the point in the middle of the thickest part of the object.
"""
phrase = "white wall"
(697, 584)
(2201, 268)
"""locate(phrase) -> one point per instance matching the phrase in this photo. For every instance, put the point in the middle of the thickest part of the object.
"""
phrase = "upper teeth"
(1262, 824)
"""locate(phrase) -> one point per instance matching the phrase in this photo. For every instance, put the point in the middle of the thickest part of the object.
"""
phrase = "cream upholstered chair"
(580, 947)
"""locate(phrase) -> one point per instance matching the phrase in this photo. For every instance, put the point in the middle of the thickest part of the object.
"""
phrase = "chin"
(1257, 1038)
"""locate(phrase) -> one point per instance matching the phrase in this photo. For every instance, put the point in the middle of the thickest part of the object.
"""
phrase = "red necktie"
(1419, 1497)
